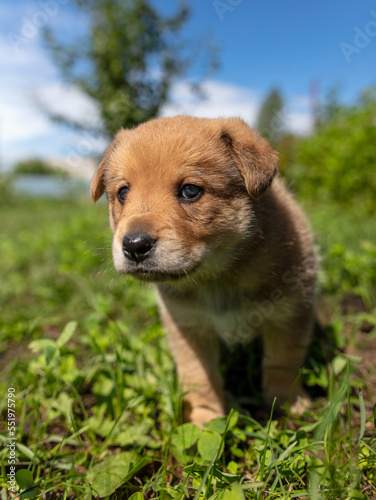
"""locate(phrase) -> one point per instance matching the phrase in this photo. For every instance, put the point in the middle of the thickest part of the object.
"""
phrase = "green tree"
(34, 166)
(126, 62)
(330, 108)
(271, 120)
(287, 148)
(338, 162)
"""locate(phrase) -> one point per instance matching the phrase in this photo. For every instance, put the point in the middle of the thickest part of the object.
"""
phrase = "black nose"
(137, 247)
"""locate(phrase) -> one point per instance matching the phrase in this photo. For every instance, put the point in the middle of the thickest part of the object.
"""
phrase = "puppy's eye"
(190, 192)
(122, 193)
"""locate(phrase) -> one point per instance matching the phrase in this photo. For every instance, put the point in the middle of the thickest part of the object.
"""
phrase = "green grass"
(98, 405)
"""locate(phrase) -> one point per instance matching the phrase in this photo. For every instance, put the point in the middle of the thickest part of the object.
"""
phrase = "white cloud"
(22, 120)
(19, 121)
(70, 102)
(221, 99)
(300, 114)
(300, 123)
(228, 99)
(26, 131)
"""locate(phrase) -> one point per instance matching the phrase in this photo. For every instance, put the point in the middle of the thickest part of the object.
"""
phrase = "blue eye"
(190, 192)
(122, 193)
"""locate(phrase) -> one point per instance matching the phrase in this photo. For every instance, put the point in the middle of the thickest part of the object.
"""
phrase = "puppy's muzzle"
(137, 247)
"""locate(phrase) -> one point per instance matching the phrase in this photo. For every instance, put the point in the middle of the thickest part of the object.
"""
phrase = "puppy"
(194, 208)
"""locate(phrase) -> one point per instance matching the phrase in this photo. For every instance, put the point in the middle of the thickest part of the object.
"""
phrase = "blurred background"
(74, 72)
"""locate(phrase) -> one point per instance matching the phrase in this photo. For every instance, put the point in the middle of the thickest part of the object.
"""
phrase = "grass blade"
(362, 415)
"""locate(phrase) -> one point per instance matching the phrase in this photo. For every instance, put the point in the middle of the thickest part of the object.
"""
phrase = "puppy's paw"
(301, 403)
(295, 403)
(200, 415)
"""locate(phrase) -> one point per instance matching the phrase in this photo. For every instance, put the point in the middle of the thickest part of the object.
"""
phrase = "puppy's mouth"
(160, 276)
(157, 276)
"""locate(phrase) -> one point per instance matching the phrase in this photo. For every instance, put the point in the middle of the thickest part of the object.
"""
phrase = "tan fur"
(236, 263)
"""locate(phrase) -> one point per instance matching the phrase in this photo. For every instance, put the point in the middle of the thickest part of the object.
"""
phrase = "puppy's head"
(181, 193)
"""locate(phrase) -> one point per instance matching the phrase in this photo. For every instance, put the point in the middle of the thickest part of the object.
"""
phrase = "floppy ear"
(97, 184)
(254, 157)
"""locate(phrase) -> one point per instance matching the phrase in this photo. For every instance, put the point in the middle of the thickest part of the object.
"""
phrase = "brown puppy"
(194, 209)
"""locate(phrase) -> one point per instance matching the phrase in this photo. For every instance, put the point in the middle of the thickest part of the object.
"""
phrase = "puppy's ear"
(254, 157)
(97, 184)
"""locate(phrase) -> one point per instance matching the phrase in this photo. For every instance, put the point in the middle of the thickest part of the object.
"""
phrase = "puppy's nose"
(137, 247)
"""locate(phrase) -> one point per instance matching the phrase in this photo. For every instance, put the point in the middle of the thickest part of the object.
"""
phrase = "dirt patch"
(364, 363)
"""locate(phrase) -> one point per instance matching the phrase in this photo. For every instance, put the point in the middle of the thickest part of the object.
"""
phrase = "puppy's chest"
(227, 314)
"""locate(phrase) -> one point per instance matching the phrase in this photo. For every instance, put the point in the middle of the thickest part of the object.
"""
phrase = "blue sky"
(287, 44)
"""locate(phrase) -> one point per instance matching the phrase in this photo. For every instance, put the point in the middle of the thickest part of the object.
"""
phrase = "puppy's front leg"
(197, 360)
(285, 348)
